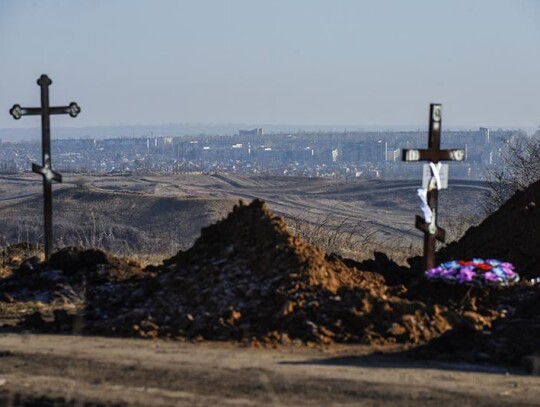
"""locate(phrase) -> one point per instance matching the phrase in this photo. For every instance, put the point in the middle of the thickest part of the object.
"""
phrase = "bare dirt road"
(83, 371)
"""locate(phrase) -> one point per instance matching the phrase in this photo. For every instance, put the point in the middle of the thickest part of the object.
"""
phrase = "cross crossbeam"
(45, 170)
(434, 154)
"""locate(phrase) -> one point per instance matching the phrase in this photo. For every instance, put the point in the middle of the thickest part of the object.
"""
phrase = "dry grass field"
(155, 216)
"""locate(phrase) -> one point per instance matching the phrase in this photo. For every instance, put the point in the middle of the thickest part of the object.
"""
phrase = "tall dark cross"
(45, 111)
(433, 154)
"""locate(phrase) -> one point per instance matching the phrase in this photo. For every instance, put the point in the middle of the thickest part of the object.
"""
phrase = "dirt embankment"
(248, 279)
(511, 233)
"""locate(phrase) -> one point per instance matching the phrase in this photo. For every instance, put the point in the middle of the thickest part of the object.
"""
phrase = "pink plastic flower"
(489, 276)
(466, 274)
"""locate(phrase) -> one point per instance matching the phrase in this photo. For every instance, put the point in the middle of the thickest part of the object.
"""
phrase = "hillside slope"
(511, 234)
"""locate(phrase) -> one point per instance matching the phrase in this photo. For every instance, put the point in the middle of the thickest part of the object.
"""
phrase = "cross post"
(434, 154)
(45, 170)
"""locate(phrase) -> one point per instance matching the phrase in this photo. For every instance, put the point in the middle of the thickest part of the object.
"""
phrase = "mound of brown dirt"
(510, 234)
(248, 278)
(37, 295)
(518, 334)
(512, 336)
(13, 256)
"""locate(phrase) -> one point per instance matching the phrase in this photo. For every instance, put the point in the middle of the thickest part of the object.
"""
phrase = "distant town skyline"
(357, 64)
(339, 154)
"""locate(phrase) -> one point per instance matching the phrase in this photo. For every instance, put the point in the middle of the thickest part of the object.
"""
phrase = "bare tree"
(518, 168)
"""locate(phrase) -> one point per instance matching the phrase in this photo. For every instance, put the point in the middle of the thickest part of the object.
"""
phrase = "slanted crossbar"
(433, 154)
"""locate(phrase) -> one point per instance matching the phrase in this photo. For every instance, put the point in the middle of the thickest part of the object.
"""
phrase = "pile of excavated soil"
(513, 337)
(247, 278)
(511, 234)
(13, 257)
(52, 296)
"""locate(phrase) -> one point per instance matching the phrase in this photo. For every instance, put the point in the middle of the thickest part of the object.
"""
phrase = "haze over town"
(309, 65)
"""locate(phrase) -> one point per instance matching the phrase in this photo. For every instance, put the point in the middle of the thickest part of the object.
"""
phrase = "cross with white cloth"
(429, 196)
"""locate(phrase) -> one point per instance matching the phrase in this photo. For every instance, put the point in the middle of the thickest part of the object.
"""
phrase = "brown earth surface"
(510, 234)
(248, 280)
(58, 370)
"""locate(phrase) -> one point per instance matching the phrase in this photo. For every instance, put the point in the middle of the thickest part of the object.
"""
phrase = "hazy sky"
(333, 62)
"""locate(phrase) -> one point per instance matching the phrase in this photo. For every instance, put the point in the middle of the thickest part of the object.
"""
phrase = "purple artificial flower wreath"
(475, 272)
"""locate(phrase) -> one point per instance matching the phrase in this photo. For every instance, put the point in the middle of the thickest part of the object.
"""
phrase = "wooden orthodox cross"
(45, 170)
(433, 154)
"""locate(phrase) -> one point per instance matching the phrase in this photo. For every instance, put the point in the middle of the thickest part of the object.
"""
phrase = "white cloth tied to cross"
(422, 192)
